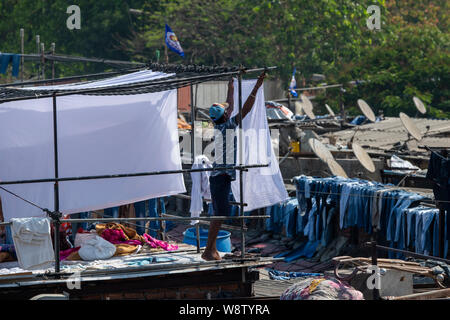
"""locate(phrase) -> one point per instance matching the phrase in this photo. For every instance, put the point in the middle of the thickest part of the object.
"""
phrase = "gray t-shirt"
(225, 142)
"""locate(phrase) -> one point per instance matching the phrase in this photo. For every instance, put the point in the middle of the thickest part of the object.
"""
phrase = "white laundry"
(97, 135)
(263, 187)
(96, 248)
(33, 242)
(399, 163)
(200, 186)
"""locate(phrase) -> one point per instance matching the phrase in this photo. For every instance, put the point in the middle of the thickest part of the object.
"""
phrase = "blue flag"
(293, 85)
(172, 42)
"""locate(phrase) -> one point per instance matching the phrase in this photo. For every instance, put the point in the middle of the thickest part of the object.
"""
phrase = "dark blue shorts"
(220, 194)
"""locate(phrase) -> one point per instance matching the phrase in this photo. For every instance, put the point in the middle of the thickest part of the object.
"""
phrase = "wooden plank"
(435, 294)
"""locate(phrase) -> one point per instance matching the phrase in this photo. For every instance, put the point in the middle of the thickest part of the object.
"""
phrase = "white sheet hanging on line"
(97, 135)
(200, 186)
(263, 187)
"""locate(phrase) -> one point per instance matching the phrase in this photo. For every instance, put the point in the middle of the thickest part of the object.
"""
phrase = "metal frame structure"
(56, 215)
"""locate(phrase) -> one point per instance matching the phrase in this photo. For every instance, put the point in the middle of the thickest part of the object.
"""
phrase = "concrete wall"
(292, 167)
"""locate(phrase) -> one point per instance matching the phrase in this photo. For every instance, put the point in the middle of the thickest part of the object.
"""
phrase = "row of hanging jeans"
(372, 206)
(283, 217)
(10, 58)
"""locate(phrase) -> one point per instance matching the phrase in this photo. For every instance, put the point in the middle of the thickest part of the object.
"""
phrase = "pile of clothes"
(321, 288)
(111, 239)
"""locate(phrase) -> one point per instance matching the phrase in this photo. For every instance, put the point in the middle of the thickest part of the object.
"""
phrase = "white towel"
(200, 186)
(33, 242)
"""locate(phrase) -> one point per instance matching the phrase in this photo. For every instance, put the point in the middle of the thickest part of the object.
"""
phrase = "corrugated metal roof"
(385, 134)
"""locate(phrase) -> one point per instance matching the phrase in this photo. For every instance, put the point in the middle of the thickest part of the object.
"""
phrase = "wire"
(27, 201)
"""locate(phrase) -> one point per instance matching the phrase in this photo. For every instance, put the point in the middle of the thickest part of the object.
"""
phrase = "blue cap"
(216, 111)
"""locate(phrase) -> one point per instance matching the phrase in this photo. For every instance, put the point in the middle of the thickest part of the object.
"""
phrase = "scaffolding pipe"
(128, 175)
(165, 218)
(56, 222)
(241, 186)
(134, 86)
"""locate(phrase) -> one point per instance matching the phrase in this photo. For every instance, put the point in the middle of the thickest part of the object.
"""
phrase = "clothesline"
(359, 195)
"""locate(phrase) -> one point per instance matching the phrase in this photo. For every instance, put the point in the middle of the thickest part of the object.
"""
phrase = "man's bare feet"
(211, 256)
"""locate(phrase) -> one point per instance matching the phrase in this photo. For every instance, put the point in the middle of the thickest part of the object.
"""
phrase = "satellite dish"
(336, 169)
(307, 107)
(419, 105)
(363, 157)
(366, 110)
(330, 111)
(320, 150)
(325, 155)
(298, 108)
(410, 127)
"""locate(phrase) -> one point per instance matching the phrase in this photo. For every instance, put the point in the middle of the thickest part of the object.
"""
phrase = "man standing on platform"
(225, 156)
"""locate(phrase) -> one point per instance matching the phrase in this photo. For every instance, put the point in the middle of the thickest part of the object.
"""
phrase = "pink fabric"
(65, 253)
(154, 243)
(118, 237)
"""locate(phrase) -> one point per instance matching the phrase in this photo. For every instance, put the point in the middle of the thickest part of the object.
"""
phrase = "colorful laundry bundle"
(321, 288)
(120, 234)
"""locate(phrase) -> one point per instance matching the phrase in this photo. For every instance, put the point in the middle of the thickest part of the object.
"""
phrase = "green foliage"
(408, 57)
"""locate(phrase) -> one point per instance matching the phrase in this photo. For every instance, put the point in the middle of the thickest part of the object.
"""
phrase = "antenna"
(325, 155)
(366, 110)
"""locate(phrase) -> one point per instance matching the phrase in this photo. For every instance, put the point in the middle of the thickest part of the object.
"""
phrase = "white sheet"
(134, 77)
(200, 186)
(98, 135)
(263, 187)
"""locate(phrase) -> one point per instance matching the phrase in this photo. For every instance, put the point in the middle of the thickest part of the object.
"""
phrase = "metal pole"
(341, 101)
(165, 218)
(43, 60)
(38, 40)
(129, 175)
(197, 225)
(241, 150)
(53, 62)
(441, 230)
(192, 124)
(412, 254)
(56, 222)
(22, 36)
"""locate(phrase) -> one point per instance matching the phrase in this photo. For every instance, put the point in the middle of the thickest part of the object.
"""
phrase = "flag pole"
(166, 54)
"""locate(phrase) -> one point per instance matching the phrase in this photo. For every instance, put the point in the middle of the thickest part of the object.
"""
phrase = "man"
(225, 156)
